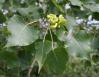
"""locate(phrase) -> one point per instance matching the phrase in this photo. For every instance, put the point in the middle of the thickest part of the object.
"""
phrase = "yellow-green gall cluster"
(56, 21)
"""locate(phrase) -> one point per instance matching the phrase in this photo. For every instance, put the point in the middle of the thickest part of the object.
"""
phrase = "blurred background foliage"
(29, 49)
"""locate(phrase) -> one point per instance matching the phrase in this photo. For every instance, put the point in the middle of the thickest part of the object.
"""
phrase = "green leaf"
(76, 2)
(2, 17)
(93, 7)
(2, 1)
(42, 50)
(95, 43)
(61, 34)
(82, 35)
(30, 11)
(56, 60)
(57, 6)
(10, 58)
(71, 22)
(88, 1)
(78, 47)
(21, 34)
(97, 1)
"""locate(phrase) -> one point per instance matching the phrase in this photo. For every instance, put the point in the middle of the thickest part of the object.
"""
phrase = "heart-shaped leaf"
(21, 34)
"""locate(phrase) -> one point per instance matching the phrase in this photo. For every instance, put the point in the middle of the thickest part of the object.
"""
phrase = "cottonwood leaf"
(56, 60)
(21, 34)
(93, 7)
(76, 2)
(42, 50)
(30, 11)
(78, 46)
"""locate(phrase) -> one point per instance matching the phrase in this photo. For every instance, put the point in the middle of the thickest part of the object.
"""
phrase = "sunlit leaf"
(79, 47)
(29, 11)
(76, 2)
(93, 7)
(21, 34)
